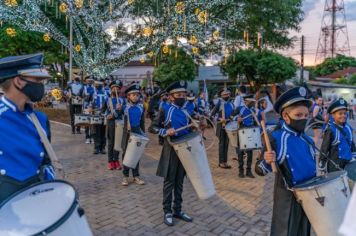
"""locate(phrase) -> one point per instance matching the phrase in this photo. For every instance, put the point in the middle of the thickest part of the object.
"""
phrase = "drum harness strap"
(49, 149)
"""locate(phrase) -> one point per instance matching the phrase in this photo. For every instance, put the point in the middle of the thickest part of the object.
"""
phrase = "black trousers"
(73, 110)
(88, 132)
(223, 146)
(9, 186)
(175, 187)
(99, 137)
(241, 155)
(113, 155)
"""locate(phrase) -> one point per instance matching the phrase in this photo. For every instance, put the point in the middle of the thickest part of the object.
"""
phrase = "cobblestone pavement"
(241, 206)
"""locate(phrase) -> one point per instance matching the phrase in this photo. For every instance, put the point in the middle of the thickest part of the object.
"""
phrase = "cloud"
(350, 9)
(308, 6)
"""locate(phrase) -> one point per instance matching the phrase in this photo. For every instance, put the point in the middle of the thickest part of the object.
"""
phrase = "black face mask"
(298, 125)
(226, 99)
(99, 87)
(165, 99)
(34, 91)
(179, 101)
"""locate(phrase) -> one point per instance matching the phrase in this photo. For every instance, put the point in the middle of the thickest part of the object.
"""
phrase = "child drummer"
(112, 110)
(245, 119)
(172, 117)
(293, 153)
(338, 143)
(134, 122)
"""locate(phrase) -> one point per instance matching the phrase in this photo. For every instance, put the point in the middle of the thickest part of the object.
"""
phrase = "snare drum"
(231, 131)
(324, 200)
(49, 208)
(135, 148)
(96, 120)
(249, 138)
(81, 120)
(77, 101)
(350, 168)
(191, 152)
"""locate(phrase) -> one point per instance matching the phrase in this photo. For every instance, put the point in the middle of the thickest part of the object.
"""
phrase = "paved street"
(241, 207)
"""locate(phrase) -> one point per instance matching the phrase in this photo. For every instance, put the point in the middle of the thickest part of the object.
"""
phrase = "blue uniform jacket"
(21, 150)
(294, 154)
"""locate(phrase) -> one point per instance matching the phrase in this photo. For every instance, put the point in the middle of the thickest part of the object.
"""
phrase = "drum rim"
(139, 135)
(183, 138)
(62, 219)
(343, 174)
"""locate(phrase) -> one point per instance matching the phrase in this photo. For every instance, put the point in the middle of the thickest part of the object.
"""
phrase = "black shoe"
(103, 151)
(183, 216)
(168, 219)
(249, 174)
(96, 152)
(241, 174)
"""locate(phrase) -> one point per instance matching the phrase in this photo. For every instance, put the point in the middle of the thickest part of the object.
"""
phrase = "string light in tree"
(63, 7)
(195, 50)
(11, 32)
(130, 2)
(147, 31)
(142, 60)
(150, 54)
(11, 3)
(46, 37)
(180, 7)
(78, 3)
(77, 48)
(165, 49)
(193, 40)
(216, 35)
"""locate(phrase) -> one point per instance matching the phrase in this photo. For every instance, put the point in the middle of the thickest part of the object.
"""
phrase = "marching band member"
(294, 154)
(225, 109)
(190, 104)
(201, 104)
(170, 118)
(338, 141)
(262, 105)
(23, 159)
(88, 95)
(239, 99)
(99, 129)
(112, 110)
(245, 119)
(134, 122)
(318, 115)
(75, 91)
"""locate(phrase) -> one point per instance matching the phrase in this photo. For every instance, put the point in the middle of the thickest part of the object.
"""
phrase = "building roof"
(211, 73)
(330, 85)
(342, 73)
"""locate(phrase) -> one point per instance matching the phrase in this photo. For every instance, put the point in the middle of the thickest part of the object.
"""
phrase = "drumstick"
(255, 117)
(268, 145)
(180, 129)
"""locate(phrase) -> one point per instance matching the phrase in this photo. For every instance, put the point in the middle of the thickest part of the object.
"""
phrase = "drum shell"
(231, 131)
(71, 222)
(249, 138)
(119, 131)
(326, 219)
(192, 154)
(134, 151)
(81, 120)
(77, 101)
(350, 168)
(96, 120)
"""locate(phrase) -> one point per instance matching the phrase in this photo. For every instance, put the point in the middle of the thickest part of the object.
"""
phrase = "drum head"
(38, 208)
(320, 180)
(351, 170)
(140, 136)
(232, 126)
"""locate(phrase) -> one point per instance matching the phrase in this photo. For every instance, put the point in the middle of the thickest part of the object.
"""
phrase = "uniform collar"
(289, 130)
(13, 107)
